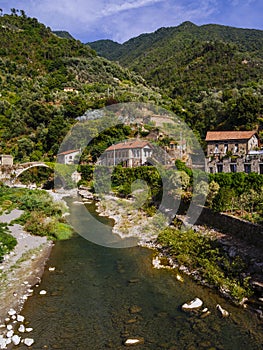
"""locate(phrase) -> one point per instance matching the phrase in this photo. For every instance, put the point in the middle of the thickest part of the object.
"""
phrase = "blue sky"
(89, 20)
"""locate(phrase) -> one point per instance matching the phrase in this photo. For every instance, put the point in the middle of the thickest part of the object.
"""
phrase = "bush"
(7, 241)
(201, 253)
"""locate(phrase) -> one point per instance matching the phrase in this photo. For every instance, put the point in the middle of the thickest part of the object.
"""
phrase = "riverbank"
(131, 221)
(23, 267)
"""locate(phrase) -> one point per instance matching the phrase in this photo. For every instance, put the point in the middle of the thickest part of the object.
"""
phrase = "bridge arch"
(25, 166)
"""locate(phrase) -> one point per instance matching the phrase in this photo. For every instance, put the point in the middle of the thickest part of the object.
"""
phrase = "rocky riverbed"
(131, 221)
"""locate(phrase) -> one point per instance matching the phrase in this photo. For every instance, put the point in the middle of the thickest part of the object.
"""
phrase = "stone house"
(68, 157)
(6, 159)
(233, 151)
(130, 153)
(234, 142)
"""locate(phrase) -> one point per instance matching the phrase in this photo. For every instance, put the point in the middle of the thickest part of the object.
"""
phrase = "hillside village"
(226, 151)
(189, 186)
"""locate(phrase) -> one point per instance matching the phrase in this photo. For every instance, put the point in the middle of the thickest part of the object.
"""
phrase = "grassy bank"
(206, 258)
(42, 216)
(7, 241)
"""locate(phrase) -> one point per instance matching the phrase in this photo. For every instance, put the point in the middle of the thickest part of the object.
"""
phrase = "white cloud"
(167, 13)
(114, 8)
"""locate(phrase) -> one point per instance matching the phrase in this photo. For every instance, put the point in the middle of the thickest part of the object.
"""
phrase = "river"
(94, 290)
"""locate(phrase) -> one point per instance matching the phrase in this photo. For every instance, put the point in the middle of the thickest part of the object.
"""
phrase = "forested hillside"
(47, 81)
(212, 73)
(211, 76)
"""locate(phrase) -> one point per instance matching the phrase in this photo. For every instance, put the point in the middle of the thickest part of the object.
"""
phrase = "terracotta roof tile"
(68, 152)
(229, 135)
(128, 144)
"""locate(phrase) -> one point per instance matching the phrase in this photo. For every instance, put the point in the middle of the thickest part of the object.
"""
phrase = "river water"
(92, 294)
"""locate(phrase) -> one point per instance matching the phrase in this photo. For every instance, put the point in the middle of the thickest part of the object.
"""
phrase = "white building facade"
(68, 157)
(128, 153)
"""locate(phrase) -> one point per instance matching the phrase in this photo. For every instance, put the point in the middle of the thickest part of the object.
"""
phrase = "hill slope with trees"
(212, 73)
(47, 81)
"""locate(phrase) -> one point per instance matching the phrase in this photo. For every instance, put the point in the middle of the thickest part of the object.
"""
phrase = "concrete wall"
(247, 231)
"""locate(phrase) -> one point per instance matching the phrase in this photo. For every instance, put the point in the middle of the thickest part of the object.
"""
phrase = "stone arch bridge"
(11, 173)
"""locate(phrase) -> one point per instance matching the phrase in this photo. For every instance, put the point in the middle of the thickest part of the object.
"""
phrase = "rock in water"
(179, 278)
(16, 339)
(10, 333)
(29, 341)
(133, 341)
(223, 312)
(20, 318)
(3, 343)
(43, 292)
(21, 328)
(11, 312)
(196, 303)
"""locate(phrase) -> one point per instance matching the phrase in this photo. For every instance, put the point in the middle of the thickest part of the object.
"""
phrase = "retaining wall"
(245, 230)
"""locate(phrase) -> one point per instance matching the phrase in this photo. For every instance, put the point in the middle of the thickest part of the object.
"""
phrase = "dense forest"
(211, 73)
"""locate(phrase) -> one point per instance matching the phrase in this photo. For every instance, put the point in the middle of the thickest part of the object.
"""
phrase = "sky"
(118, 20)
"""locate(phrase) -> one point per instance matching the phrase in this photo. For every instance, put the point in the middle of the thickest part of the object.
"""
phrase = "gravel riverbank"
(23, 267)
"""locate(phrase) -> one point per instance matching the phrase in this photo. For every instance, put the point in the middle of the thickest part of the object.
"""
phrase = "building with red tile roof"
(130, 153)
(68, 157)
(233, 151)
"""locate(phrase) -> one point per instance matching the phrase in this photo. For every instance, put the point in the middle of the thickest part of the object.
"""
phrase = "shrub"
(7, 241)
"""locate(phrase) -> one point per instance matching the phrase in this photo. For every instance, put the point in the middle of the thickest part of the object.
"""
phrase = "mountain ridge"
(222, 32)
(212, 73)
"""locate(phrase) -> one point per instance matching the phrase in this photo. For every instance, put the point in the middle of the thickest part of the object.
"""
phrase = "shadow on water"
(98, 297)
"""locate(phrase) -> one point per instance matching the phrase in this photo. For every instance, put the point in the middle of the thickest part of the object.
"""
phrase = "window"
(233, 168)
(261, 168)
(219, 168)
(236, 148)
(216, 148)
(225, 147)
(211, 170)
(247, 168)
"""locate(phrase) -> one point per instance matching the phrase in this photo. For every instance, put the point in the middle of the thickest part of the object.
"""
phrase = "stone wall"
(221, 148)
(242, 164)
(245, 230)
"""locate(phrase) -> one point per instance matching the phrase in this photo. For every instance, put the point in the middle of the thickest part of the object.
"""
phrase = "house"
(70, 89)
(234, 142)
(233, 151)
(130, 153)
(68, 157)
(6, 159)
